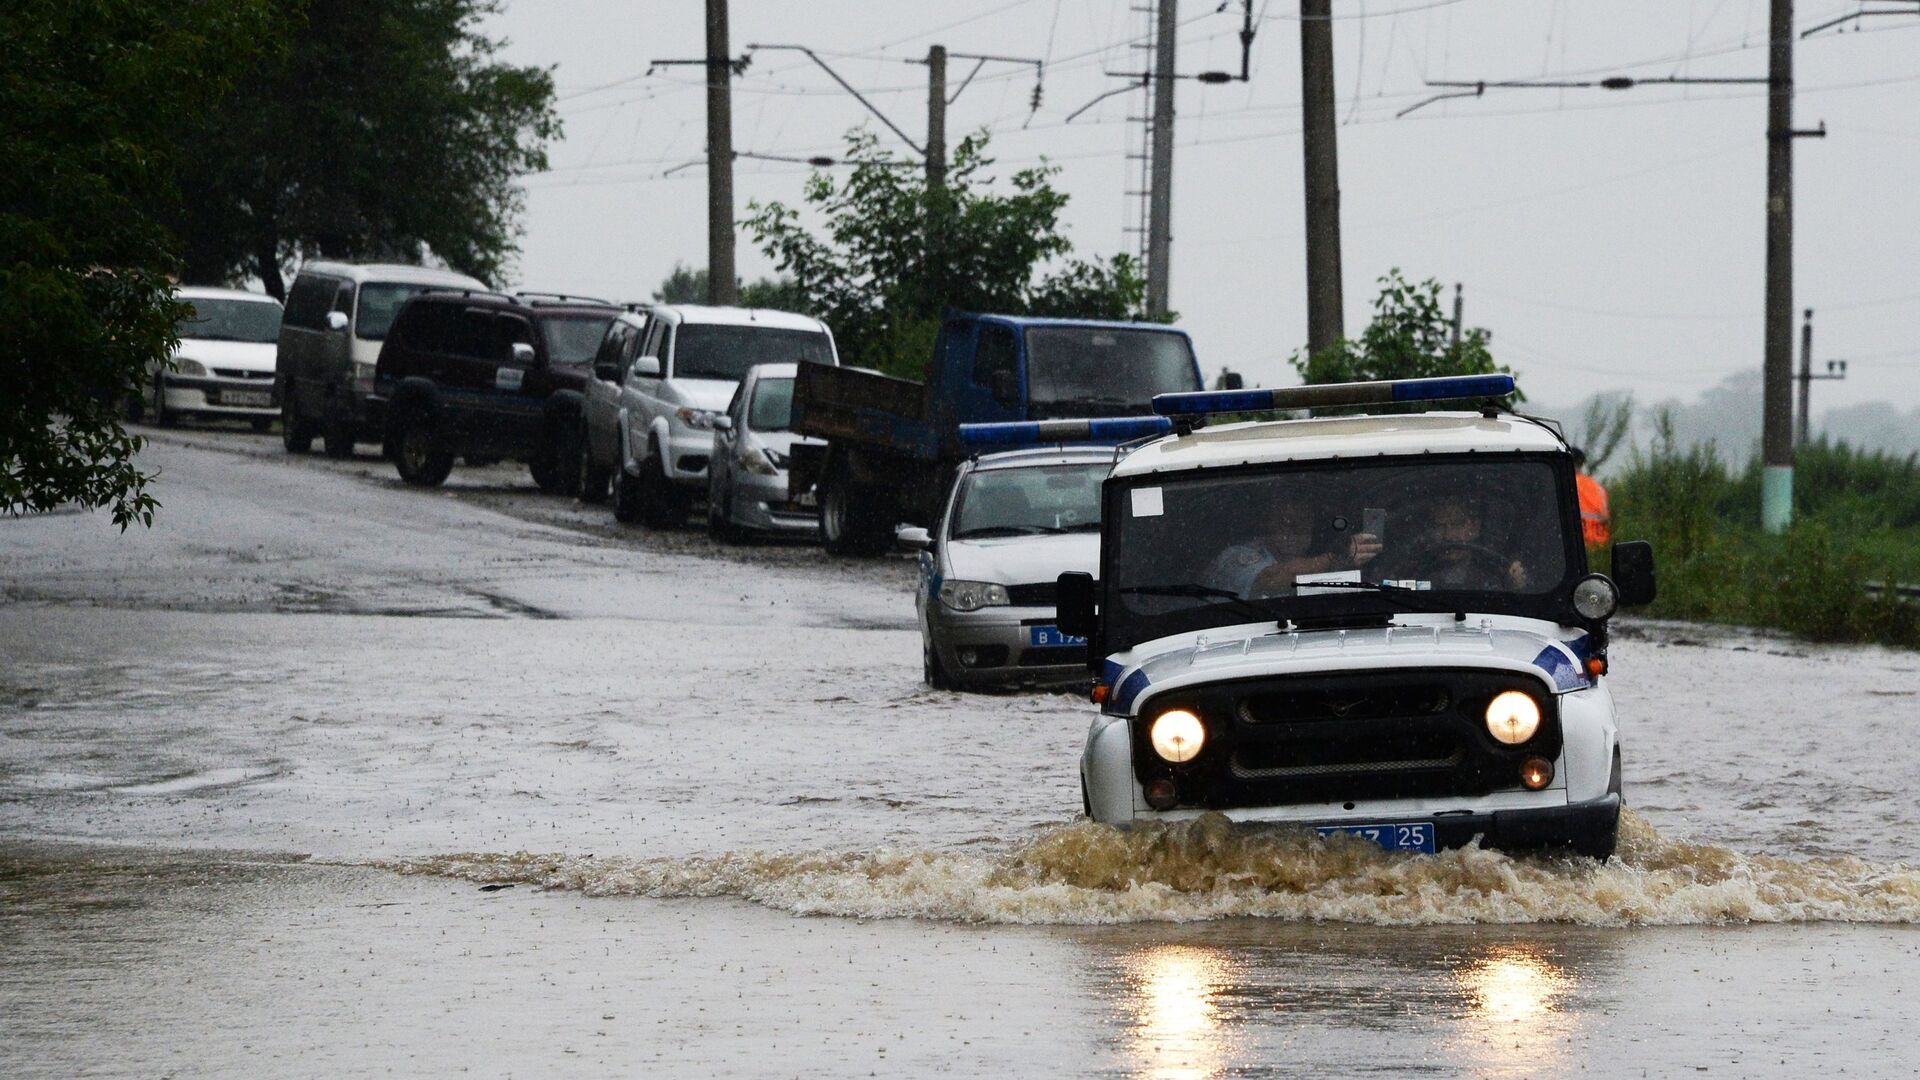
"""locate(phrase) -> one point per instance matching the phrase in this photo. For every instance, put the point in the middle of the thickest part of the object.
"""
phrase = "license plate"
(1044, 636)
(255, 399)
(1393, 835)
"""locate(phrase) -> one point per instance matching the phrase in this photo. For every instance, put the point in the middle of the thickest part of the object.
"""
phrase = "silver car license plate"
(251, 399)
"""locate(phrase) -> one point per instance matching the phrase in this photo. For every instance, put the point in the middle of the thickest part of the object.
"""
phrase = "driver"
(1450, 551)
(1266, 566)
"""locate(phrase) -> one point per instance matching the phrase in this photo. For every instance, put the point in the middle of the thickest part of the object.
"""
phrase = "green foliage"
(1604, 428)
(892, 255)
(386, 130)
(686, 285)
(1410, 337)
(1851, 528)
(91, 94)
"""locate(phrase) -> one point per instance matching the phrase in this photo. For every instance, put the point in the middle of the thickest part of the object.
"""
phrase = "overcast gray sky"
(1609, 239)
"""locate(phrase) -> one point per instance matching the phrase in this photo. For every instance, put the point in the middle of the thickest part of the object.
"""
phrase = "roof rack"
(534, 299)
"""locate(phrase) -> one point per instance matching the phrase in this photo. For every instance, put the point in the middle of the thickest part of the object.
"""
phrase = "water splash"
(1208, 868)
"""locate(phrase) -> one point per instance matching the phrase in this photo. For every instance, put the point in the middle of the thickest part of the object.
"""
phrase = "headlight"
(184, 366)
(698, 419)
(1177, 735)
(1595, 597)
(1513, 717)
(973, 595)
(756, 460)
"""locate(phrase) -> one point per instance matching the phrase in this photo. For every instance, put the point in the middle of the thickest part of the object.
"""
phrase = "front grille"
(236, 373)
(1333, 738)
(1039, 594)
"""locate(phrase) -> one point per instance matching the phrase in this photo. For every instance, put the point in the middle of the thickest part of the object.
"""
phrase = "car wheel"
(720, 523)
(933, 669)
(848, 519)
(662, 503)
(1086, 803)
(295, 434)
(593, 478)
(541, 469)
(418, 455)
(337, 437)
(162, 416)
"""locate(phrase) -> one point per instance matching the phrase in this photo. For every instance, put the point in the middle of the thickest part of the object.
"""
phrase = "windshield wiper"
(1000, 530)
(1197, 591)
(1374, 586)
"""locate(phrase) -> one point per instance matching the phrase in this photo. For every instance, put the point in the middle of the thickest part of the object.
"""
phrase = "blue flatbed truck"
(890, 445)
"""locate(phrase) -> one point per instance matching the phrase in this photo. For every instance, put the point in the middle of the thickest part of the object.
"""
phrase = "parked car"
(337, 316)
(660, 381)
(1384, 626)
(223, 366)
(486, 376)
(1013, 522)
(752, 445)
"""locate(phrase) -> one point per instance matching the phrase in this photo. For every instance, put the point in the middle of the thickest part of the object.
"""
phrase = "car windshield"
(231, 320)
(379, 302)
(1030, 500)
(772, 407)
(710, 351)
(573, 339)
(1323, 539)
(1099, 371)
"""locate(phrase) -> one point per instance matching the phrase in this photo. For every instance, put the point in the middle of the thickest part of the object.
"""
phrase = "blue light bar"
(1327, 395)
(1096, 429)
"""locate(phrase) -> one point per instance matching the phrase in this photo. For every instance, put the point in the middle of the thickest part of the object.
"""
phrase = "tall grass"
(1856, 521)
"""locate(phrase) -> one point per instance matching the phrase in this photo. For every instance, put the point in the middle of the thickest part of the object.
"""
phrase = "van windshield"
(1104, 371)
(1320, 539)
(379, 302)
(231, 320)
(711, 351)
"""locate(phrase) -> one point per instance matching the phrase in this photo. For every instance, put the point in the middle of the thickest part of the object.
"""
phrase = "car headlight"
(973, 595)
(698, 419)
(184, 366)
(1513, 717)
(1595, 597)
(1177, 735)
(758, 461)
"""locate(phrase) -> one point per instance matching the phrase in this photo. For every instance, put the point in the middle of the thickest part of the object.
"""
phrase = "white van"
(337, 316)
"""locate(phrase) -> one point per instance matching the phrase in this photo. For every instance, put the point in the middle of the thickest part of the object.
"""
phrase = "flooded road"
(258, 766)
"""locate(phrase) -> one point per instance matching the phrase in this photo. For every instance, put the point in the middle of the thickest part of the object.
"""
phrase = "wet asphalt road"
(325, 776)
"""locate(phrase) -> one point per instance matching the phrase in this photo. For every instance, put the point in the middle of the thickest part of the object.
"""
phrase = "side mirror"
(523, 354)
(1006, 388)
(723, 422)
(336, 320)
(1074, 611)
(1633, 572)
(645, 367)
(913, 538)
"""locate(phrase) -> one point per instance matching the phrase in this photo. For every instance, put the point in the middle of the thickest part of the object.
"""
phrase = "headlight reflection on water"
(1515, 1019)
(1177, 1025)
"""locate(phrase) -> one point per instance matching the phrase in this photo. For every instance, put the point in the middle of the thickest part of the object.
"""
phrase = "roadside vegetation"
(1856, 524)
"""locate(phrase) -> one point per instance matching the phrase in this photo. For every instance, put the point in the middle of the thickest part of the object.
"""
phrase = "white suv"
(660, 381)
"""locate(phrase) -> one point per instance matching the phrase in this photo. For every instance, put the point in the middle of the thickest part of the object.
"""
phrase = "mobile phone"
(1373, 519)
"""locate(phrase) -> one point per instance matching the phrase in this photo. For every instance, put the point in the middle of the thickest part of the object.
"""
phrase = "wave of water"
(1208, 868)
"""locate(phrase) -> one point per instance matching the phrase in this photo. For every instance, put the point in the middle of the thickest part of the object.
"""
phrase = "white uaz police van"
(1382, 625)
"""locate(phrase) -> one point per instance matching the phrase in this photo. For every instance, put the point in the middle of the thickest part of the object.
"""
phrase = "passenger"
(1267, 566)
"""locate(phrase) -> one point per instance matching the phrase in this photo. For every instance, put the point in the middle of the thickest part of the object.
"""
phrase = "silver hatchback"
(747, 488)
(1013, 523)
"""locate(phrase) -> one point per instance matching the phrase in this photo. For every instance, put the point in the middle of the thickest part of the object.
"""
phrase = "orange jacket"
(1596, 524)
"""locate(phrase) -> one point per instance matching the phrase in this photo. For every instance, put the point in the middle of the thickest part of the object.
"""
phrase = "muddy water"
(711, 802)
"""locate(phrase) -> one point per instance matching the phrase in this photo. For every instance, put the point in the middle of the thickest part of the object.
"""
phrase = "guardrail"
(1909, 593)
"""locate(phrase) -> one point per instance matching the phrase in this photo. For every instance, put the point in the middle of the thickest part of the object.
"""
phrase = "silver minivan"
(337, 315)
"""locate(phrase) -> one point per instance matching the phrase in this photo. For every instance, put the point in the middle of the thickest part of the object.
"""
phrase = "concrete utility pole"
(721, 280)
(936, 117)
(1806, 380)
(1325, 311)
(1457, 305)
(1160, 199)
(1776, 429)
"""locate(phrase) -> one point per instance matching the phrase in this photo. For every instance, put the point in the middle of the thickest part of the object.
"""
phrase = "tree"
(1410, 337)
(1604, 426)
(389, 129)
(893, 255)
(91, 94)
(686, 285)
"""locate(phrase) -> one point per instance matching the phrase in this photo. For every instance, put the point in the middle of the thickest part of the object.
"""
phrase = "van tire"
(337, 437)
(296, 434)
(418, 454)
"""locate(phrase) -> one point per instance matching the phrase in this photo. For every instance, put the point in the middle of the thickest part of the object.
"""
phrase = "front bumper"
(761, 503)
(998, 642)
(688, 451)
(1585, 826)
(213, 395)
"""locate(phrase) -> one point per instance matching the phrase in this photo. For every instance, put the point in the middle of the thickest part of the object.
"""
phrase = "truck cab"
(1381, 625)
(890, 446)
